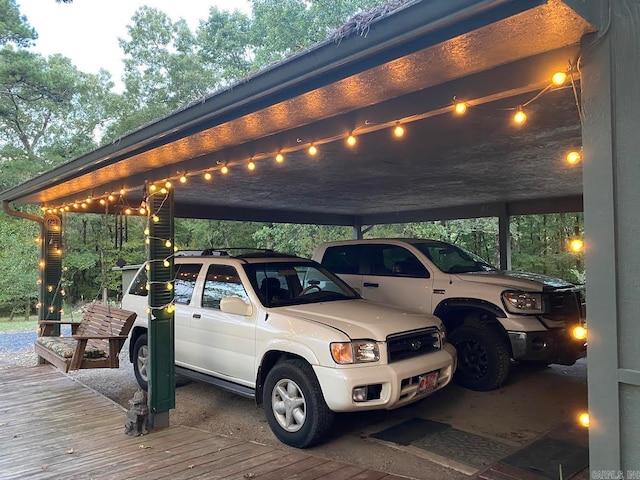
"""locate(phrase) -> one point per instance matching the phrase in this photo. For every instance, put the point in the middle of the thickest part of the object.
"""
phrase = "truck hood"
(516, 280)
(362, 319)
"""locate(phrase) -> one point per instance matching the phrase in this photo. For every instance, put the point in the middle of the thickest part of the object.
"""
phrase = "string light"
(559, 78)
(573, 157)
(251, 166)
(207, 176)
(152, 188)
(351, 140)
(111, 198)
(279, 158)
(520, 117)
(224, 170)
(183, 179)
(583, 419)
(167, 185)
(576, 245)
(398, 131)
(460, 108)
(313, 150)
(122, 191)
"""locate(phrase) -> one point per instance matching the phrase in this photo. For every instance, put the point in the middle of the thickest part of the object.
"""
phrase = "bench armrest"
(98, 337)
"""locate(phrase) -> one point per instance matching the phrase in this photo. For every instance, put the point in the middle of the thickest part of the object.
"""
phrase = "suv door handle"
(367, 284)
(196, 315)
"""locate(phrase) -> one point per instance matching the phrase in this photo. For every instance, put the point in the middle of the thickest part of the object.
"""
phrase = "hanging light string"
(313, 147)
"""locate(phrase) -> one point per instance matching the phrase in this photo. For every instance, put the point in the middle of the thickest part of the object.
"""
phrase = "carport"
(408, 68)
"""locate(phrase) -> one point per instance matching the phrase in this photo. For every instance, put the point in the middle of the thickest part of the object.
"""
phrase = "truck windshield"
(452, 259)
(295, 283)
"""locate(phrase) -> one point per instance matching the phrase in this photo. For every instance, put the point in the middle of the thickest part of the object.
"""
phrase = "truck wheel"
(483, 357)
(141, 361)
(294, 404)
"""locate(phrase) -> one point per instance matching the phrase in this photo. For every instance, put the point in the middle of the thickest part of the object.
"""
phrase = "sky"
(87, 31)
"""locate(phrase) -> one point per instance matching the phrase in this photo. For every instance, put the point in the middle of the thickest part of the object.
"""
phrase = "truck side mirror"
(236, 306)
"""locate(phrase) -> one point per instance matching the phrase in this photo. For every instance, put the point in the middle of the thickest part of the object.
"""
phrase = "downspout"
(17, 213)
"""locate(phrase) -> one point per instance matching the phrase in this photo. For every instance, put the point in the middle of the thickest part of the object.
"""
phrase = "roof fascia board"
(407, 30)
(596, 12)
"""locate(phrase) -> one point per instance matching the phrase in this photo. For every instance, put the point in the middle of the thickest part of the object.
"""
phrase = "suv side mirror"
(236, 306)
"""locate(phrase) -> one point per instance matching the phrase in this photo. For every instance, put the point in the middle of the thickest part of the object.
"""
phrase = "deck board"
(53, 427)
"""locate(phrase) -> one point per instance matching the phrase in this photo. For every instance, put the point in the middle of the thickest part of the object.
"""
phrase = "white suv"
(292, 335)
(491, 315)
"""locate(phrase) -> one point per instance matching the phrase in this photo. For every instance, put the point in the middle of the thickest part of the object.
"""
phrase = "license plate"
(427, 382)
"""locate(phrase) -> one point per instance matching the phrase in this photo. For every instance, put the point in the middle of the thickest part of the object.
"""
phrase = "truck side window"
(222, 281)
(343, 259)
(186, 276)
(396, 261)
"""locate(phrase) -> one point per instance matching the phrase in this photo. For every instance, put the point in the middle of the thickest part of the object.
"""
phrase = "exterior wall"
(610, 69)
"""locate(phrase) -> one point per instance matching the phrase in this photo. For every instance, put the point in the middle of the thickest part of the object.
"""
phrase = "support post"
(50, 299)
(504, 238)
(161, 307)
(610, 68)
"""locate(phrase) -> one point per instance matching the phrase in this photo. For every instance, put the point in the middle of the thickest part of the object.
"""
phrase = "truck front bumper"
(550, 346)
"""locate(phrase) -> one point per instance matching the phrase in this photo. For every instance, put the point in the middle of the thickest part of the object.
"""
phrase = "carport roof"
(404, 68)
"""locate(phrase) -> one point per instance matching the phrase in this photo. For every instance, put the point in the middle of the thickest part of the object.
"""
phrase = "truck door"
(395, 276)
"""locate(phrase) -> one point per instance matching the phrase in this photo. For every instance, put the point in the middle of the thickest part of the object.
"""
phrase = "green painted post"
(161, 325)
(50, 298)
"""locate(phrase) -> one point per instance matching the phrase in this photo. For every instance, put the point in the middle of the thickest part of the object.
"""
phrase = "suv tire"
(141, 361)
(483, 356)
(294, 404)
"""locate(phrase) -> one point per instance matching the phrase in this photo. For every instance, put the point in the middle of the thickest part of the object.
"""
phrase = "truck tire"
(483, 356)
(141, 361)
(294, 404)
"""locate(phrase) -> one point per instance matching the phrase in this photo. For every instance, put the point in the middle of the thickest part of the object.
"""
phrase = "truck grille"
(564, 306)
(406, 345)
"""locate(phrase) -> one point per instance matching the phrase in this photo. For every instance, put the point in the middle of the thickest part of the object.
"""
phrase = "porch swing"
(96, 341)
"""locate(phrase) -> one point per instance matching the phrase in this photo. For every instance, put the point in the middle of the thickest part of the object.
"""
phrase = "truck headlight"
(523, 302)
(357, 351)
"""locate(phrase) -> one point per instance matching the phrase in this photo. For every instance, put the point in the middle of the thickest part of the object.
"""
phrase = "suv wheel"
(294, 404)
(483, 357)
(141, 361)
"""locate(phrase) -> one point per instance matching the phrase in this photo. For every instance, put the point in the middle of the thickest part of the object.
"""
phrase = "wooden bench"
(95, 342)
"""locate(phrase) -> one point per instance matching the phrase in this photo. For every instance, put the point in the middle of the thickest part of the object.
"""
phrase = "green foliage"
(14, 27)
(298, 239)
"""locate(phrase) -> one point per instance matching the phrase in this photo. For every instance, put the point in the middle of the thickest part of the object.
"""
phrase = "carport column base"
(159, 420)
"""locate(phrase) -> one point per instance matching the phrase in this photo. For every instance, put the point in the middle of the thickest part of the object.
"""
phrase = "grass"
(18, 325)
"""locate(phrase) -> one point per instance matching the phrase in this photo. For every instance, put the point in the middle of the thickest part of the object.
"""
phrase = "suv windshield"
(295, 283)
(451, 259)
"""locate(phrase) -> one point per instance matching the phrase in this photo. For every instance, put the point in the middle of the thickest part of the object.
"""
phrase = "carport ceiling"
(406, 68)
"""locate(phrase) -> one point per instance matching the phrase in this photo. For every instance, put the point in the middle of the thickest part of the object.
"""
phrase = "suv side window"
(186, 276)
(139, 284)
(395, 261)
(343, 259)
(222, 281)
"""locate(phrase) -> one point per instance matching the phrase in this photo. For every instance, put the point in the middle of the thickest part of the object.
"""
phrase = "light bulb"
(146, 231)
(102, 201)
(460, 108)
(122, 191)
(83, 205)
(75, 205)
(251, 166)
(110, 197)
(167, 244)
(163, 191)
(279, 158)
(224, 170)
(573, 157)
(183, 179)
(559, 78)
(576, 245)
(156, 218)
(142, 210)
(167, 185)
(152, 188)
(398, 131)
(583, 419)
(313, 150)
(127, 211)
(351, 140)
(166, 264)
(520, 117)
(169, 286)
(207, 175)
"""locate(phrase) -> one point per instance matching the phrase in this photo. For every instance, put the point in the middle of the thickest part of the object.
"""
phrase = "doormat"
(446, 441)
(544, 456)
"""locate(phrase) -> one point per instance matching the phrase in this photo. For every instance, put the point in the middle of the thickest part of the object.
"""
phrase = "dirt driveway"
(446, 436)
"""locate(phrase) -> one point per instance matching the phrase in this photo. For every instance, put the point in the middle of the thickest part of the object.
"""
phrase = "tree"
(14, 28)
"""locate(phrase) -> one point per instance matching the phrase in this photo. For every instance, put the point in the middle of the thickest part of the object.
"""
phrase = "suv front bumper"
(551, 346)
(396, 384)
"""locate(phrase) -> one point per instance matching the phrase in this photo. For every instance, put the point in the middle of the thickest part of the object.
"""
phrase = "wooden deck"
(52, 427)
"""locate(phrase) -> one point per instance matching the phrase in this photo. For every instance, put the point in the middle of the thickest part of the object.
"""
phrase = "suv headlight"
(523, 302)
(357, 351)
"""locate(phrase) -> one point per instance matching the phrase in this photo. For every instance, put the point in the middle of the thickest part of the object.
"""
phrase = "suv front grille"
(412, 344)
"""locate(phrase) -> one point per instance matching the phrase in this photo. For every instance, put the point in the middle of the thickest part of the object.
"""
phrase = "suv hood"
(520, 280)
(362, 319)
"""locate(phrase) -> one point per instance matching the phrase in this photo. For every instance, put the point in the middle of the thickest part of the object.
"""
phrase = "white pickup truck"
(295, 337)
(491, 315)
